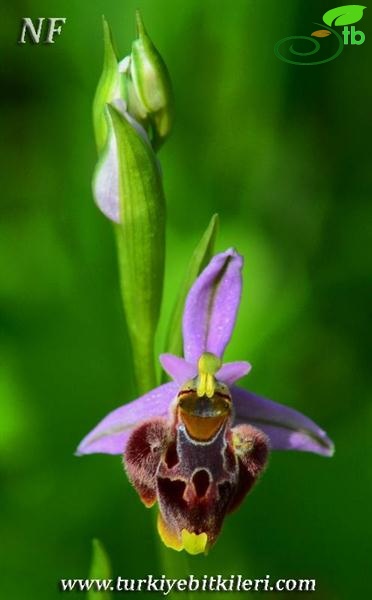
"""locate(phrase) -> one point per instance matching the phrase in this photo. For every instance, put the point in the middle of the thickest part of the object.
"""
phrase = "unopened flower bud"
(151, 83)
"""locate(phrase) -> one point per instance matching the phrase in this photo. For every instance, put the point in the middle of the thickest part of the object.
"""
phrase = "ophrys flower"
(198, 444)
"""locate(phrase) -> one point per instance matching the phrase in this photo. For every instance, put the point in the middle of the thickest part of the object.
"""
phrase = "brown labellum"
(321, 33)
(196, 482)
(195, 465)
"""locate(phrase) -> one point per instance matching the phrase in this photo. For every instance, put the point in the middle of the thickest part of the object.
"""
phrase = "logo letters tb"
(357, 37)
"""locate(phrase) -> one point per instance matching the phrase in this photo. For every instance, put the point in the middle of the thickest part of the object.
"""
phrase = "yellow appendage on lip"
(167, 537)
(194, 543)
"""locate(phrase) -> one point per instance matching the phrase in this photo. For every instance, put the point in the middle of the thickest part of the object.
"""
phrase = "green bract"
(107, 88)
(141, 243)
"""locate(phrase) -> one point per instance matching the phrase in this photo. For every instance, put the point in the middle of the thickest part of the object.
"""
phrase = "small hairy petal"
(178, 368)
(232, 371)
(111, 434)
(181, 371)
(211, 306)
(286, 428)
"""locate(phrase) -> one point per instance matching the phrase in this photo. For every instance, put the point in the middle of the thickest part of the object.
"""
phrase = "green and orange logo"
(334, 41)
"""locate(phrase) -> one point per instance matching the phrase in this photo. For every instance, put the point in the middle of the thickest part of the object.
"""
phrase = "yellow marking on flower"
(202, 428)
(194, 543)
(241, 446)
(208, 366)
(167, 537)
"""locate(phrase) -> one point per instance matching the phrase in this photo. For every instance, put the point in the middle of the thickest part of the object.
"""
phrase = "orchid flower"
(197, 444)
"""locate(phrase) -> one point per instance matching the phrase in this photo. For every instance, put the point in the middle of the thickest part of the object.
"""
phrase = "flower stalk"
(197, 445)
(132, 117)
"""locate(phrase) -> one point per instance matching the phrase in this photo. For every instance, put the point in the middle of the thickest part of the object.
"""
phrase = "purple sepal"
(232, 371)
(111, 434)
(286, 428)
(211, 306)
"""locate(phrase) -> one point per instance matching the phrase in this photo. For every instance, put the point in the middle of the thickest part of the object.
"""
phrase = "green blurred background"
(283, 154)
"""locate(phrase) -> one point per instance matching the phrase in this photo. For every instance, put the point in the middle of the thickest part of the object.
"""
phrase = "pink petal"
(232, 371)
(286, 428)
(111, 434)
(212, 305)
(178, 368)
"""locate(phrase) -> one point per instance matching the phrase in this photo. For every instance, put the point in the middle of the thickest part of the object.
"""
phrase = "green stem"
(142, 340)
(144, 365)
